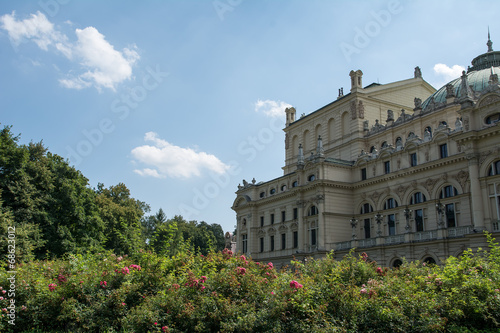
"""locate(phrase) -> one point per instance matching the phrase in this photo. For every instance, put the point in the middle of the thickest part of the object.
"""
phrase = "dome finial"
(489, 43)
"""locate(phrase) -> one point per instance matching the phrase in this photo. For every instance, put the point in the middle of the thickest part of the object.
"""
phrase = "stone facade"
(382, 172)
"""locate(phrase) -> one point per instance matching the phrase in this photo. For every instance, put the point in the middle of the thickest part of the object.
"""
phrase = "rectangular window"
(262, 244)
(272, 218)
(313, 236)
(391, 223)
(283, 216)
(363, 174)
(283, 241)
(272, 243)
(262, 221)
(413, 159)
(387, 167)
(443, 150)
(367, 228)
(295, 213)
(419, 220)
(295, 239)
(450, 215)
(244, 243)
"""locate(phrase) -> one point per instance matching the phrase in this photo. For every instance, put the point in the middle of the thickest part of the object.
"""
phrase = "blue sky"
(181, 100)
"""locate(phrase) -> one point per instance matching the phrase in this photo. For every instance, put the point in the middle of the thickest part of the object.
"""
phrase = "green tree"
(50, 202)
(122, 216)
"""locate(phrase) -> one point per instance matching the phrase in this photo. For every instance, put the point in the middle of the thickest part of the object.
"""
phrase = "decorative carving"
(414, 184)
(444, 176)
(390, 115)
(401, 191)
(417, 73)
(353, 110)
(418, 103)
(361, 110)
(466, 123)
(483, 156)
(429, 184)
(375, 196)
(489, 100)
(458, 124)
(450, 92)
(462, 177)
(363, 195)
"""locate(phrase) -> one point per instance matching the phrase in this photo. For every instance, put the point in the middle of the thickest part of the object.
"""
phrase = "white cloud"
(173, 161)
(271, 108)
(103, 66)
(447, 72)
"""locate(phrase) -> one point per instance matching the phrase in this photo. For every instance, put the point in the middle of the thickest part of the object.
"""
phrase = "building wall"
(328, 198)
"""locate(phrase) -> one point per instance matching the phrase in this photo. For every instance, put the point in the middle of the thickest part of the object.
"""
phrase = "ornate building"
(395, 170)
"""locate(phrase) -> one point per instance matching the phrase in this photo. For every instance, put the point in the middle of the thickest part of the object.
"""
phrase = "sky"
(182, 100)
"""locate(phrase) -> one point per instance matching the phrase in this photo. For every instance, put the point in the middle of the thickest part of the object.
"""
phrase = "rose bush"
(224, 292)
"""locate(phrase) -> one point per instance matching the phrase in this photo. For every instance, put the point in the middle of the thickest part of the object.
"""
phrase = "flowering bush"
(220, 292)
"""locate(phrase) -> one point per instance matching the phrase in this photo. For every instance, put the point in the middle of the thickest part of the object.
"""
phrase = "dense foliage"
(220, 292)
(55, 211)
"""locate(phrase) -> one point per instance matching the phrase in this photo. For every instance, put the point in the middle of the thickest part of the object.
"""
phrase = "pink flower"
(119, 258)
(272, 292)
(124, 304)
(52, 286)
(379, 270)
(1, 298)
(242, 257)
(203, 279)
(270, 265)
(363, 291)
(294, 284)
(104, 284)
(61, 278)
(156, 323)
(125, 270)
(3, 291)
(241, 270)
(137, 267)
(164, 328)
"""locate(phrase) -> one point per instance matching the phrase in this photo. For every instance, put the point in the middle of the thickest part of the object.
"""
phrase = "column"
(475, 192)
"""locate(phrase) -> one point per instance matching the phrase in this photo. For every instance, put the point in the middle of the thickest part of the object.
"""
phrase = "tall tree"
(122, 215)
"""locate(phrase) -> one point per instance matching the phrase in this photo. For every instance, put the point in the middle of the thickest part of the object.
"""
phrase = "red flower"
(294, 284)
(52, 286)
(104, 284)
(241, 270)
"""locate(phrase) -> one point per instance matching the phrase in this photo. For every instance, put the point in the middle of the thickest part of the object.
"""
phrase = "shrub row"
(222, 292)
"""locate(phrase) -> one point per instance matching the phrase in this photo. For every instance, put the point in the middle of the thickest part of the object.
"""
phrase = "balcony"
(413, 237)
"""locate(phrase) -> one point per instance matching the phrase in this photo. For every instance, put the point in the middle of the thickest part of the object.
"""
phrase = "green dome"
(478, 77)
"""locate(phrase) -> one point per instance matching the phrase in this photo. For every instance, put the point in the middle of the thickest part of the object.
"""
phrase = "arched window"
(311, 178)
(449, 208)
(366, 208)
(448, 192)
(391, 218)
(494, 169)
(492, 119)
(273, 190)
(373, 149)
(262, 194)
(295, 184)
(430, 261)
(312, 211)
(384, 144)
(283, 188)
(390, 203)
(417, 198)
(397, 263)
